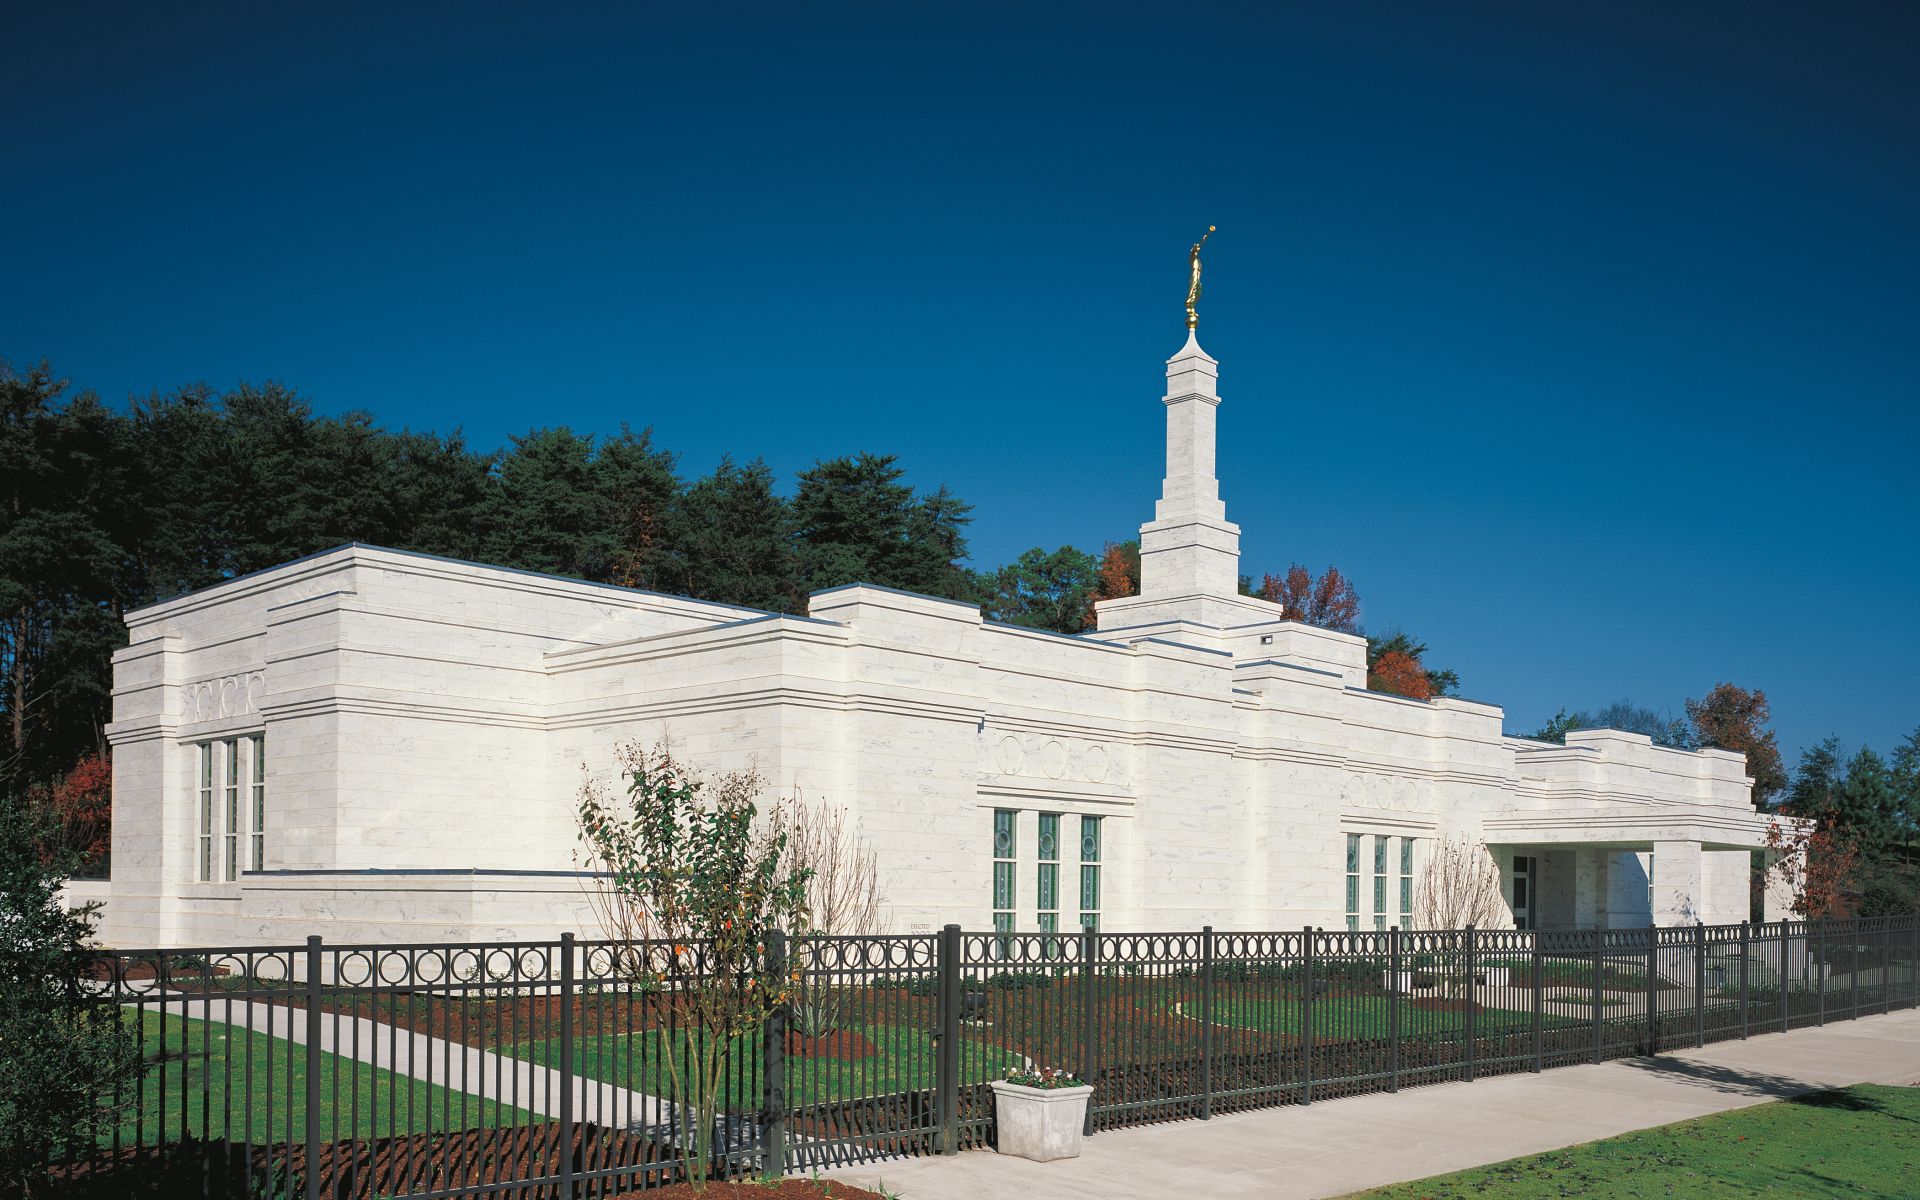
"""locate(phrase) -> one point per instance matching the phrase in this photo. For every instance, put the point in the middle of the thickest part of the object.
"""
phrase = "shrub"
(61, 1051)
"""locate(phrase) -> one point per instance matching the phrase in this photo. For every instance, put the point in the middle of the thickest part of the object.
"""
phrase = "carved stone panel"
(1022, 754)
(222, 697)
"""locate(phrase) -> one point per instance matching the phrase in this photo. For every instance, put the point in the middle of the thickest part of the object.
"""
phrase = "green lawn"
(1366, 1017)
(1860, 1142)
(903, 1061)
(216, 1079)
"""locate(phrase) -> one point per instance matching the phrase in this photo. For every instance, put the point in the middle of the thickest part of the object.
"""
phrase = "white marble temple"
(406, 735)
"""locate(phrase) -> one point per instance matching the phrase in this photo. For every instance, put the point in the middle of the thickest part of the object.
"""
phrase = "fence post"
(1745, 939)
(1820, 968)
(313, 1069)
(773, 1073)
(1306, 1017)
(1206, 1023)
(1090, 958)
(1913, 968)
(1599, 1013)
(1653, 988)
(1473, 998)
(1699, 986)
(1393, 1009)
(1539, 1010)
(1786, 1022)
(1853, 974)
(947, 1057)
(565, 1147)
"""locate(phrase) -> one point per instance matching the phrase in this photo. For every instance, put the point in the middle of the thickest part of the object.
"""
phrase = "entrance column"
(1678, 878)
(1589, 888)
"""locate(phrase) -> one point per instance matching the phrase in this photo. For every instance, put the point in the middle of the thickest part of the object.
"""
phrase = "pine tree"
(735, 541)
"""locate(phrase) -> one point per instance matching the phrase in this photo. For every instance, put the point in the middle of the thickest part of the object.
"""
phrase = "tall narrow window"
(1046, 888)
(1379, 881)
(1090, 872)
(231, 750)
(206, 812)
(1353, 881)
(1406, 883)
(1649, 889)
(259, 802)
(1523, 891)
(1003, 868)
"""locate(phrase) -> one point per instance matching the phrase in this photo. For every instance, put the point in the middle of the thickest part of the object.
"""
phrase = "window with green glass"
(1046, 883)
(259, 802)
(1406, 881)
(231, 749)
(1379, 881)
(1353, 881)
(1090, 871)
(1005, 848)
(206, 812)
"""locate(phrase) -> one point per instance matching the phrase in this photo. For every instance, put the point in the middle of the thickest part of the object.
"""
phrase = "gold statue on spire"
(1193, 285)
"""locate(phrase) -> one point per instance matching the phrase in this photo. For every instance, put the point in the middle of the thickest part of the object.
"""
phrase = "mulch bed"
(358, 1170)
(841, 1043)
(786, 1189)
(402, 1165)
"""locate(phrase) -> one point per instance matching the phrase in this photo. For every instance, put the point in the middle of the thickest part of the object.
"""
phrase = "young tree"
(1733, 718)
(1460, 886)
(1328, 601)
(1816, 863)
(63, 1054)
(843, 897)
(689, 886)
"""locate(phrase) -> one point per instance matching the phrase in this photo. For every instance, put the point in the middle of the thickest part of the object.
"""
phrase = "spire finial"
(1193, 285)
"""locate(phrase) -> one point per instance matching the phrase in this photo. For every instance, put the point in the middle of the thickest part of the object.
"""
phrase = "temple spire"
(1190, 548)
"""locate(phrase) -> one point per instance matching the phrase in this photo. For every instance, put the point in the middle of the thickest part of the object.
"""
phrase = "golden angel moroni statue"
(1193, 285)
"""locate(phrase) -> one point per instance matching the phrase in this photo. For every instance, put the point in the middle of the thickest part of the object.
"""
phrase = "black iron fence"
(545, 1069)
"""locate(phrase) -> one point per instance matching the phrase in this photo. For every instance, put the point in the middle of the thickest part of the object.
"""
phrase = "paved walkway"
(1341, 1146)
(511, 1081)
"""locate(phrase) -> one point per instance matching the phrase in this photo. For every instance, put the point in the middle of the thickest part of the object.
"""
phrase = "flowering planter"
(1039, 1123)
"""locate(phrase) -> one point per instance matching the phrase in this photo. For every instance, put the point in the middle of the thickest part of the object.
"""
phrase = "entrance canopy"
(1632, 829)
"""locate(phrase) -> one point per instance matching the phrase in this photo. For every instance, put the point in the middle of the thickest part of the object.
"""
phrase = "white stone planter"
(1040, 1123)
(1494, 976)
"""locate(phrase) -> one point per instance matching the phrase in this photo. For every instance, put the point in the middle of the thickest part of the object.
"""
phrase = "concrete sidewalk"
(1340, 1146)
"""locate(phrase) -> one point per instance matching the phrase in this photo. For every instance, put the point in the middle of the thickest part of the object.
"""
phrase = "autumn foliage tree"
(1328, 601)
(1396, 663)
(1817, 864)
(79, 809)
(1733, 718)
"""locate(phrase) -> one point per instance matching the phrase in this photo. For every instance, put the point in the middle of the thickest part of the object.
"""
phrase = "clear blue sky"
(1582, 336)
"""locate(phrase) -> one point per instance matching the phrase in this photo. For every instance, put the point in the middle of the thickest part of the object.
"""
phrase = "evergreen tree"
(1664, 729)
(444, 489)
(1041, 590)
(62, 1052)
(56, 557)
(544, 514)
(856, 522)
(735, 540)
(637, 493)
